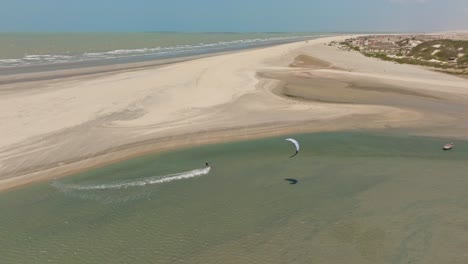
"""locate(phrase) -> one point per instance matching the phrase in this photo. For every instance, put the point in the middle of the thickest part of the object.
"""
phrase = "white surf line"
(138, 183)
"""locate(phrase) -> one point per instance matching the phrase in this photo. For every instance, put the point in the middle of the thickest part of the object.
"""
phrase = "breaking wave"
(153, 52)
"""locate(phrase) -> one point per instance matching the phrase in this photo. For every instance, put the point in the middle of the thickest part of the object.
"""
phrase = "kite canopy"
(296, 144)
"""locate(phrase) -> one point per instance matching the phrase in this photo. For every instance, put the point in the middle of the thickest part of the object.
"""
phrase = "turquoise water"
(23, 49)
(361, 198)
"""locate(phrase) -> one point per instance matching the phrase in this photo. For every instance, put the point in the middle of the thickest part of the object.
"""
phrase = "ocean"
(30, 49)
(361, 197)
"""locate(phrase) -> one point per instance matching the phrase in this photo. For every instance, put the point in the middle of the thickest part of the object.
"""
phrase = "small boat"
(448, 146)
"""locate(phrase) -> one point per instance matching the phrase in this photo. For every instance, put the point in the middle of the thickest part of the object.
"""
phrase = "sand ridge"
(66, 125)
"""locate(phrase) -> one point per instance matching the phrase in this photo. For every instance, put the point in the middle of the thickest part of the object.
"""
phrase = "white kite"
(295, 144)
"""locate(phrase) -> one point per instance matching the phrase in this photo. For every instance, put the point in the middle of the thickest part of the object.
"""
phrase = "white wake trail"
(138, 183)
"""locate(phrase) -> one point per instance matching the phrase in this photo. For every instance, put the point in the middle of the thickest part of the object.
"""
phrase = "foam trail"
(138, 183)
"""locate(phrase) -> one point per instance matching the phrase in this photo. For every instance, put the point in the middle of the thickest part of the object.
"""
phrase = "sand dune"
(55, 127)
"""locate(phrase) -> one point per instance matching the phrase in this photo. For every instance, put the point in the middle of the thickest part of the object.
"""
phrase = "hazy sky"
(233, 15)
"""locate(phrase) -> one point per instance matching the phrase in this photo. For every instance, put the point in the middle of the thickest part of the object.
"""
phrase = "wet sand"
(442, 108)
(57, 126)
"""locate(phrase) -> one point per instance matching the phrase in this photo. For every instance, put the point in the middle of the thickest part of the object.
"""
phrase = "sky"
(233, 15)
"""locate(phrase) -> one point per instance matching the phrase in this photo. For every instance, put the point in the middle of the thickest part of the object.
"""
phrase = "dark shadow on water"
(291, 181)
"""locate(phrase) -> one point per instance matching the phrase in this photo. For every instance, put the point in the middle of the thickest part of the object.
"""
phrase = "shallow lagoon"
(361, 198)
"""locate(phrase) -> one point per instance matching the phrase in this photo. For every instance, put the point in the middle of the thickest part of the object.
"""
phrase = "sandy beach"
(52, 127)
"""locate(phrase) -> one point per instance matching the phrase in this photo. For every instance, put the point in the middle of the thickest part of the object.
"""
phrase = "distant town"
(449, 52)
